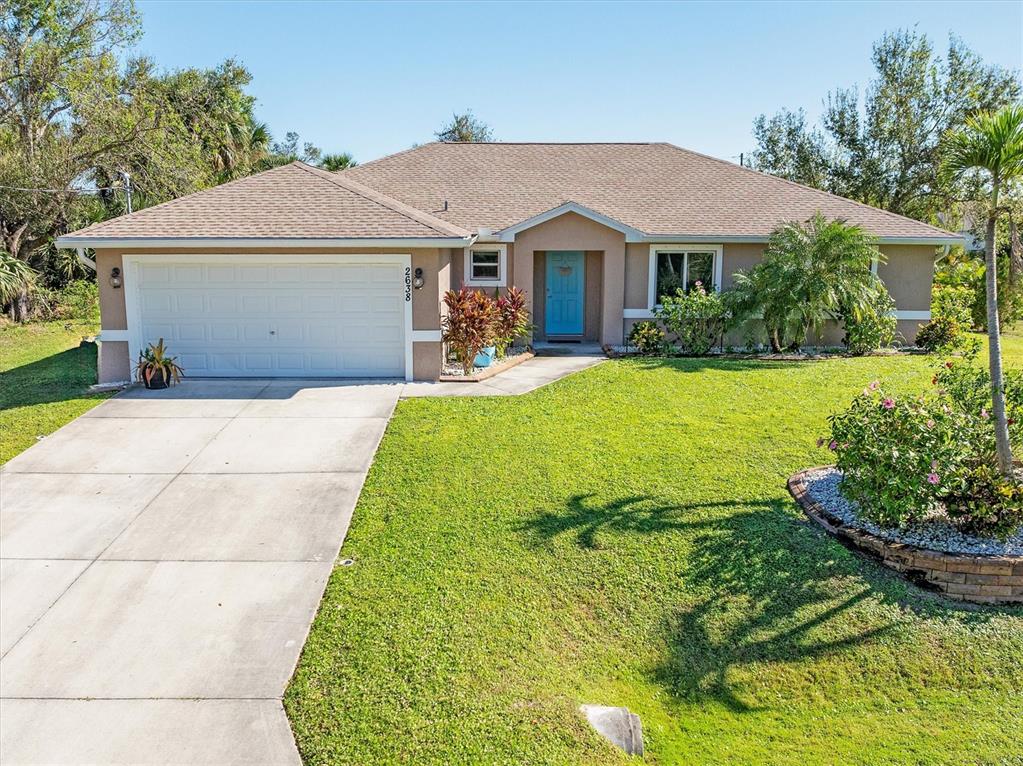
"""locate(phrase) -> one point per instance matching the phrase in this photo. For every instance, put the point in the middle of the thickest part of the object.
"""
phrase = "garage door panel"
(191, 274)
(254, 274)
(256, 303)
(284, 319)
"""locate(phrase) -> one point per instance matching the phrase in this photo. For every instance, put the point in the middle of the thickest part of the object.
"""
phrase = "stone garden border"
(982, 579)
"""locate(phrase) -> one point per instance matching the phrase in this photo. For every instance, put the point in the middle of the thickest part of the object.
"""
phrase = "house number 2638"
(408, 284)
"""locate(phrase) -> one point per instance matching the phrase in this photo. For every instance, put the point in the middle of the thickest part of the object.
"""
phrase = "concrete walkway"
(162, 558)
(526, 377)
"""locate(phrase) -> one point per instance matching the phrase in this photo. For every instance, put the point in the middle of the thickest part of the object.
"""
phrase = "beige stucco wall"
(114, 365)
(575, 232)
(907, 273)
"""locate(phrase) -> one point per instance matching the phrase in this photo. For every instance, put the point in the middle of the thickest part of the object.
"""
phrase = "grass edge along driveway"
(624, 537)
(45, 374)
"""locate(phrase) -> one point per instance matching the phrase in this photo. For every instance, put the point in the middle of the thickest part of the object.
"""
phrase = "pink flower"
(930, 424)
(932, 478)
(833, 445)
(820, 441)
(983, 413)
(888, 403)
(874, 385)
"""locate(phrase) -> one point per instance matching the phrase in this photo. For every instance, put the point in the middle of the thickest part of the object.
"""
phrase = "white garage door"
(261, 317)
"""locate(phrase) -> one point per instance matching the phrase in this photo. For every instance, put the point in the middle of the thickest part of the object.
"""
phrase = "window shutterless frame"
(477, 273)
(656, 250)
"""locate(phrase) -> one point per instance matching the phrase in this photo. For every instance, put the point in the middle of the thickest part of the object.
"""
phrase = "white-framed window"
(486, 265)
(674, 267)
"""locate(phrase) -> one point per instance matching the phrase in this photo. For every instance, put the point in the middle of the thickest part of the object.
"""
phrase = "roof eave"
(98, 241)
(937, 241)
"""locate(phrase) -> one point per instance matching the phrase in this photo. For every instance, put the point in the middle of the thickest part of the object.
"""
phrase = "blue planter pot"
(485, 357)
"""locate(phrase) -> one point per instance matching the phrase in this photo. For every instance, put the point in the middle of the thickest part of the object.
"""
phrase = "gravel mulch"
(935, 533)
(453, 368)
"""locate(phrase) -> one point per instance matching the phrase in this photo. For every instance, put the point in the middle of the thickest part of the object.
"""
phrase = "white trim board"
(131, 285)
(649, 314)
(426, 336)
(926, 315)
(637, 314)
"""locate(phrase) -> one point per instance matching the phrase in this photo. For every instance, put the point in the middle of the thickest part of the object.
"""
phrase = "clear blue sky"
(375, 78)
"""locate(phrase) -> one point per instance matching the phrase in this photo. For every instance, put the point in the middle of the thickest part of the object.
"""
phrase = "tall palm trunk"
(1002, 444)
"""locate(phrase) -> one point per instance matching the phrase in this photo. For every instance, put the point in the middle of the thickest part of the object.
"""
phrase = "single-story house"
(302, 272)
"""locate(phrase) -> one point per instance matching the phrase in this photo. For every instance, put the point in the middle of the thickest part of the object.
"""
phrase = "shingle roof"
(657, 188)
(294, 201)
(445, 190)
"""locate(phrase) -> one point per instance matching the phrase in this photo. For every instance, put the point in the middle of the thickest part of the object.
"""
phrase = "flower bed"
(454, 373)
(931, 553)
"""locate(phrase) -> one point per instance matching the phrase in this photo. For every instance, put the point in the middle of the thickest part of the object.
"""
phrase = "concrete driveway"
(161, 559)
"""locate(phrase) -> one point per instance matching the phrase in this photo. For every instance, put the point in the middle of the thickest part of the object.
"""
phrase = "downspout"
(86, 262)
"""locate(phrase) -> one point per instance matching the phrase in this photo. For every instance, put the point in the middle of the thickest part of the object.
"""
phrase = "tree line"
(80, 126)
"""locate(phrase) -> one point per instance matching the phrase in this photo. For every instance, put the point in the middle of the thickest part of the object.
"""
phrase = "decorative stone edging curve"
(983, 579)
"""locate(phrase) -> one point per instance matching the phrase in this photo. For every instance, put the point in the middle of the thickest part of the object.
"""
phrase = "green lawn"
(44, 380)
(624, 537)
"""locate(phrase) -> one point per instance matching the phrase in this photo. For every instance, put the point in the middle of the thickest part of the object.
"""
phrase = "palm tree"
(335, 162)
(810, 273)
(991, 142)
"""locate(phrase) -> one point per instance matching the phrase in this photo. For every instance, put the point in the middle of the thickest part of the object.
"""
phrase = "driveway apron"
(161, 560)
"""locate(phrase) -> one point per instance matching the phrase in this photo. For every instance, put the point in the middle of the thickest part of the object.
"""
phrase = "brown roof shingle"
(292, 201)
(657, 188)
(444, 190)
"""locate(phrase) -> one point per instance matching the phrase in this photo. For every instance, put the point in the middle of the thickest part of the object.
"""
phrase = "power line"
(63, 191)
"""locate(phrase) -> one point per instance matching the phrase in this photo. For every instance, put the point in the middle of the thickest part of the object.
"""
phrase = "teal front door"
(565, 289)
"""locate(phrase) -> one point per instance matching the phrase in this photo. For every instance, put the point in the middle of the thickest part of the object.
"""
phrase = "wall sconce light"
(115, 277)
(418, 282)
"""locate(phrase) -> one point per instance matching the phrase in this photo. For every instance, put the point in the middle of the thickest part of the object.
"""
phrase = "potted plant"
(155, 369)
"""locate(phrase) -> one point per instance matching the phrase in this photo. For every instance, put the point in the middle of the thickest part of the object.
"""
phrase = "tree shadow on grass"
(770, 593)
(587, 520)
(733, 364)
(758, 589)
(55, 378)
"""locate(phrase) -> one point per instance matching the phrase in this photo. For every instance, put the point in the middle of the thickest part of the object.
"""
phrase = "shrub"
(986, 503)
(16, 278)
(811, 272)
(954, 302)
(512, 319)
(898, 457)
(941, 333)
(968, 273)
(76, 300)
(873, 326)
(470, 324)
(697, 319)
(647, 337)
(903, 458)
